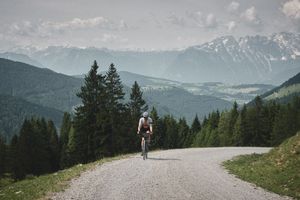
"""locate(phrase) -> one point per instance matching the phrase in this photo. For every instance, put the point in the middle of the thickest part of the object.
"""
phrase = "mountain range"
(250, 59)
(33, 91)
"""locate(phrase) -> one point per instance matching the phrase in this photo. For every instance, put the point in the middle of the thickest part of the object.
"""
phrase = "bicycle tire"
(144, 149)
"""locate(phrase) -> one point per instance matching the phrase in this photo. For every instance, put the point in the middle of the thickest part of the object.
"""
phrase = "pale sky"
(140, 24)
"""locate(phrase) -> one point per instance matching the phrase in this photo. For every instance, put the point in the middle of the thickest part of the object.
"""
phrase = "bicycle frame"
(144, 147)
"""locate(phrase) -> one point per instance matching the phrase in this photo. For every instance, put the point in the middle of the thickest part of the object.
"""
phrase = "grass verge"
(277, 171)
(40, 187)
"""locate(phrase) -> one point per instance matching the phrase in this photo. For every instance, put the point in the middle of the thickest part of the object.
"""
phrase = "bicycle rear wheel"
(144, 149)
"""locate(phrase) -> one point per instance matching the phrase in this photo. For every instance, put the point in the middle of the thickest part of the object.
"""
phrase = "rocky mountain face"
(250, 59)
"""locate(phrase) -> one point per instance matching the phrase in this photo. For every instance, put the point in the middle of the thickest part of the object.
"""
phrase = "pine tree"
(137, 104)
(41, 147)
(213, 139)
(258, 122)
(171, 140)
(64, 139)
(156, 137)
(87, 127)
(74, 152)
(296, 108)
(115, 107)
(3, 154)
(232, 121)
(280, 128)
(54, 146)
(183, 133)
(224, 128)
(24, 150)
(196, 126)
(15, 166)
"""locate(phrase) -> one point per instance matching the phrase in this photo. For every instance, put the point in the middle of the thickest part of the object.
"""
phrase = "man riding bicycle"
(145, 128)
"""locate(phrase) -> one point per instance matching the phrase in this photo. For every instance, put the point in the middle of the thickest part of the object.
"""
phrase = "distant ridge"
(15, 110)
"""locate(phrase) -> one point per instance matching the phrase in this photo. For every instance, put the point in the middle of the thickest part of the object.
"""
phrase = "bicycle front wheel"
(144, 149)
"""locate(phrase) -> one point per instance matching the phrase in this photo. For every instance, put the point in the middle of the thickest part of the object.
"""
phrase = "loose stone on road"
(194, 173)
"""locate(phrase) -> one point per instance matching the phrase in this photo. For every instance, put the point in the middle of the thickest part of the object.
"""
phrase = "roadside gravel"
(194, 173)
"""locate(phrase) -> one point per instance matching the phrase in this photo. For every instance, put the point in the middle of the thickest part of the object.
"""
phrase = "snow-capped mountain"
(250, 59)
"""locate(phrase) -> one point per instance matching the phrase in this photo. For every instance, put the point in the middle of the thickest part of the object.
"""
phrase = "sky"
(140, 24)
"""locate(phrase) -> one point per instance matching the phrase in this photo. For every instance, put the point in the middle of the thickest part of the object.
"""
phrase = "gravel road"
(194, 173)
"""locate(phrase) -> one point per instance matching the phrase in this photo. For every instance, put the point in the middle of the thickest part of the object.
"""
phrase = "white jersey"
(143, 123)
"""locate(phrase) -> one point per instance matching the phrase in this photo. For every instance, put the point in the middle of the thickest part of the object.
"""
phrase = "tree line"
(261, 124)
(105, 124)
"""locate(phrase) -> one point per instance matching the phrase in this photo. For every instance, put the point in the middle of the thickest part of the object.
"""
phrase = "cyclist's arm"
(151, 129)
(139, 126)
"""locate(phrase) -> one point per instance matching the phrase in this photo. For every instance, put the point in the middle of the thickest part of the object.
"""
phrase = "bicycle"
(145, 145)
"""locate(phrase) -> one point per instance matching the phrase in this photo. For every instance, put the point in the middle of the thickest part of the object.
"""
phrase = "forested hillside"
(285, 92)
(260, 124)
(39, 86)
(14, 110)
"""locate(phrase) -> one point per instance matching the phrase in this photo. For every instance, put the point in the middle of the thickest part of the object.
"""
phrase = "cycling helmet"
(145, 114)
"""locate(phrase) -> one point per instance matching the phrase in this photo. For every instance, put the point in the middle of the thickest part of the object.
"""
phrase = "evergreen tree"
(24, 150)
(64, 139)
(224, 129)
(296, 109)
(74, 152)
(200, 137)
(156, 137)
(242, 133)
(115, 107)
(41, 148)
(195, 129)
(233, 117)
(34, 146)
(258, 122)
(87, 122)
(213, 138)
(196, 126)
(137, 104)
(15, 166)
(213, 119)
(183, 132)
(3, 154)
(54, 146)
(281, 129)
(172, 138)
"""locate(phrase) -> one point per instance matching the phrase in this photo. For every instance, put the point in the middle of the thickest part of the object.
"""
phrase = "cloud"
(48, 28)
(233, 7)
(123, 25)
(231, 26)
(204, 21)
(112, 38)
(176, 20)
(196, 16)
(211, 21)
(251, 18)
(292, 9)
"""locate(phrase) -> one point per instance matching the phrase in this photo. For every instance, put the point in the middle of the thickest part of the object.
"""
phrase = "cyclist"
(145, 128)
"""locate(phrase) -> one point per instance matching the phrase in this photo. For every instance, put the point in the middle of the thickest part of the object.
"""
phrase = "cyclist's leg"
(147, 142)
(142, 146)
